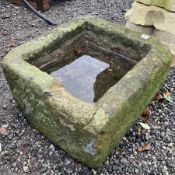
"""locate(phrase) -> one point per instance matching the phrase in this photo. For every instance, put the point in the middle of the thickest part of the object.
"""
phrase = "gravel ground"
(24, 151)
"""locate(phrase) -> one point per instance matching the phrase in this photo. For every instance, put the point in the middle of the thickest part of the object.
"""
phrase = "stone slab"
(151, 16)
(167, 4)
(88, 132)
(139, 28)
(167, 39)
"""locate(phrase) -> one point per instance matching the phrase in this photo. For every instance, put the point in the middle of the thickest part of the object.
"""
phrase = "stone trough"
(86, 128)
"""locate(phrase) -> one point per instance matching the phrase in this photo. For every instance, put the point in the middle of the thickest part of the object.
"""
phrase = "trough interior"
(87, 64)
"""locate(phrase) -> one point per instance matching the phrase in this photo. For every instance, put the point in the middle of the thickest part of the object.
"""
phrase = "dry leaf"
(3, 131)
(167, 96)
(78, 51)
(110, 70)
(146, 112)
(158, 97)
(143, 148)
(145, 126)
(166, 92)
(11, 43)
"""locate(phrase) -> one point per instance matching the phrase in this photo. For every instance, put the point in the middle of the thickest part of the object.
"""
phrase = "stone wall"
(154, 17)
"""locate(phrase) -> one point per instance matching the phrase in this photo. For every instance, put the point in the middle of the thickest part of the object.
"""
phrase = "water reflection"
(86, 78)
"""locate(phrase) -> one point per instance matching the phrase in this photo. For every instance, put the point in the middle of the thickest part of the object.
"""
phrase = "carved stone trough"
(88, 131)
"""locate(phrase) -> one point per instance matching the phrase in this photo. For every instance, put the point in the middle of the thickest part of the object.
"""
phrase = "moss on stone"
(87, 132)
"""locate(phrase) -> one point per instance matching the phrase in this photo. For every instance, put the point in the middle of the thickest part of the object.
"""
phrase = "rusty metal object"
(42, 5)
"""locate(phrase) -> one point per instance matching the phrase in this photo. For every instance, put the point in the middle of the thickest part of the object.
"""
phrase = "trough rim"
(97, 117)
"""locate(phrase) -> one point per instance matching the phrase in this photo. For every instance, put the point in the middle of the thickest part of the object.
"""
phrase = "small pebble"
(25, 169)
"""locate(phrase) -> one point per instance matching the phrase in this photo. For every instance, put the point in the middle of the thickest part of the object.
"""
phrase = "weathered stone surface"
(139, 28)
(167, 4)
(166, 38)
(152, 16)
(88, 132)
(173, 63)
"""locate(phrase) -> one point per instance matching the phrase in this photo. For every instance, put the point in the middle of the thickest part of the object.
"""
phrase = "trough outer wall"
(92, 139)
